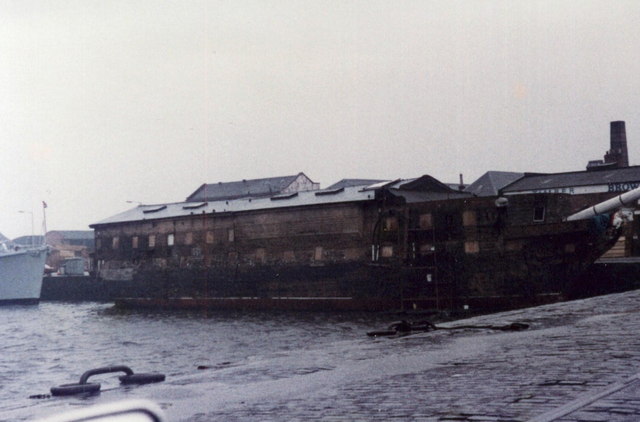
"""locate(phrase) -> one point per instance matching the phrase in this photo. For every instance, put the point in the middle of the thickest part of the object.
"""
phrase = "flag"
(44, 204)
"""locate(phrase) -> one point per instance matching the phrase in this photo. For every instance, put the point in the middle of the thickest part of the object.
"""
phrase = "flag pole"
(44, 222)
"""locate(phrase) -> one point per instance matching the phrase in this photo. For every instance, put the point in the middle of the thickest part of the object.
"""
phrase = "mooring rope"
(404, 327)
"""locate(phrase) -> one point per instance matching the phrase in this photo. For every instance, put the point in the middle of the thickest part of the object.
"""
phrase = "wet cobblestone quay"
(571, 351)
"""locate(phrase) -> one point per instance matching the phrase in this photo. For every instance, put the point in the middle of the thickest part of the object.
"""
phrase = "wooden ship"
(397, 245)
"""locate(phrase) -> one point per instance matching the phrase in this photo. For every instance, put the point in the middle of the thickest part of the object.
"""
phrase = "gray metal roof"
(416, 196)
(572, 179)
(490, 183)
(243, 188)
(181, 209)
(354, 182)
(425, 183)
(424, 188)
(456, 186)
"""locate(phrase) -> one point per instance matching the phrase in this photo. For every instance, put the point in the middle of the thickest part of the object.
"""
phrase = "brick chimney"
(618, 153)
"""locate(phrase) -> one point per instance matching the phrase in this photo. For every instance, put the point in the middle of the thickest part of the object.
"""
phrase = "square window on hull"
(538, 214)
(387, 251)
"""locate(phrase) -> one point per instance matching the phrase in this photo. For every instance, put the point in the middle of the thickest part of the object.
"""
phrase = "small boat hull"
(21, 276)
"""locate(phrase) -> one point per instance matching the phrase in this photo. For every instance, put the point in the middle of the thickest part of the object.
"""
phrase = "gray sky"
(107, 101)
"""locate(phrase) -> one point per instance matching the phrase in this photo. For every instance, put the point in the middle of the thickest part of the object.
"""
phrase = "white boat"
(21, 271)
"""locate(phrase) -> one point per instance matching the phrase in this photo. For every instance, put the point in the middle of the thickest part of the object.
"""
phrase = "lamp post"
(29, 212)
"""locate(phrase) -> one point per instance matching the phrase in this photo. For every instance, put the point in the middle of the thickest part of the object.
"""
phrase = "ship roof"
(242, 188)
(296, 199)
(344, 183)
(417, 196)
(490, 183)
(425, 183)
(424, 188)
(536, 181)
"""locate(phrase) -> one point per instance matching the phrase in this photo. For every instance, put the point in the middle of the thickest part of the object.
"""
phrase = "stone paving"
(572, 350)
(619, 402)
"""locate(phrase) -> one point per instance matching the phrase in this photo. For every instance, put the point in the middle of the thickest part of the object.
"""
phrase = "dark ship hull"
(397, 251)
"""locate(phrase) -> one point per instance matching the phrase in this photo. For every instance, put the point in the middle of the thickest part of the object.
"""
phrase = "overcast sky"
(107, 101)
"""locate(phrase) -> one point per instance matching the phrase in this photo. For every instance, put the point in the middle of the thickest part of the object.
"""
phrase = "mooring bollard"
(141, 378)
(84, 387)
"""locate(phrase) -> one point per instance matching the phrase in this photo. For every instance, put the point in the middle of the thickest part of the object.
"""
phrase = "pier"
(579, 361)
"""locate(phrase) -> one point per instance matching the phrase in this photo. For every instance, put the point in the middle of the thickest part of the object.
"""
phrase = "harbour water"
(54, 343)
(308, 366)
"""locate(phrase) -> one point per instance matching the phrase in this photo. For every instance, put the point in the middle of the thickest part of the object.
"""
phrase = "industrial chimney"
(617, 156)
(618, 152)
